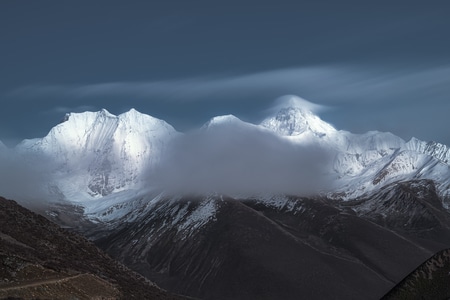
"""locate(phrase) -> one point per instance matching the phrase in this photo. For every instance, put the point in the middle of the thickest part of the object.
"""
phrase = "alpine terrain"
(289, 208)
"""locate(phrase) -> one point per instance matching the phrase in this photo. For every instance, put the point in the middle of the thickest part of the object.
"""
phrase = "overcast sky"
(376, 65)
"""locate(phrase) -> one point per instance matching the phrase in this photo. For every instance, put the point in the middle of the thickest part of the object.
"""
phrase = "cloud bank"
(25, 178)
(241, 159)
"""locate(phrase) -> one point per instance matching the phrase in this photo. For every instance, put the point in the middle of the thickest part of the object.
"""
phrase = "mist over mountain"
(95, 154)
(229, 156)
(25, 177)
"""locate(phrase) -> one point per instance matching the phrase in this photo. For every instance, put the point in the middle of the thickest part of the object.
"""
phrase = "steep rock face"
(39, 259)
(437, 150)
(97, 153)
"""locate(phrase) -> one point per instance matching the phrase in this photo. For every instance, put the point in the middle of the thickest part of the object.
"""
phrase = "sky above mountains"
(371, 65)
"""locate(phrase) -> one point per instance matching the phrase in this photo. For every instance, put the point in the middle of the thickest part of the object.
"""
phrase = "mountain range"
(234, 210)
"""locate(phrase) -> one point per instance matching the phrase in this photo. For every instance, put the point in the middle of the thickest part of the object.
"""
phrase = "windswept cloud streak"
(190, 89)
(65, 109)
(359, 98)
(323, 84)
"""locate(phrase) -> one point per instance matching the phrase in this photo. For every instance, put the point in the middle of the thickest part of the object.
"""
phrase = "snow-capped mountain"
(225, 120)
(118, 148)
(98, 153)
(388, 160)
(365, 162)
(295, 121)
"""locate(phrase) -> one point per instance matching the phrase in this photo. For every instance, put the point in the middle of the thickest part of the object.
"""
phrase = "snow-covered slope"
(225, 120)
(364, 163)
(98, 153)
(437, 150)
(387, 159)
(294, 121)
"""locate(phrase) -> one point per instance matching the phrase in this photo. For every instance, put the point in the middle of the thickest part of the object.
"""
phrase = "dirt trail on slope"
(81, 286)
(31, 283)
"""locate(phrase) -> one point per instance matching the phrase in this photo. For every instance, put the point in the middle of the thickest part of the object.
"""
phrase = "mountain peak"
(107, 152)
(132, 111)
(133, 114)
(131, 117)
(105, 112)
(87, 115)
(295, 120)
(222, 120)
(135, 119)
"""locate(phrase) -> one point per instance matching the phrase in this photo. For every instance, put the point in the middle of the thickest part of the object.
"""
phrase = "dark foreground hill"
(431, 280)
(295, 248)
(39, 260)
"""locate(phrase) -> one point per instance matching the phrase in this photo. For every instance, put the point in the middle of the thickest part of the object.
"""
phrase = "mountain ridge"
(117, 150)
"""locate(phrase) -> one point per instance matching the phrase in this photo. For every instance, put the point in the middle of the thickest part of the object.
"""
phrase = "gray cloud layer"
(233, 159)
(25, 178)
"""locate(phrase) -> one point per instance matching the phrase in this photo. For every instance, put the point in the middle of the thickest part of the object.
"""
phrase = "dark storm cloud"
(243, 160)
